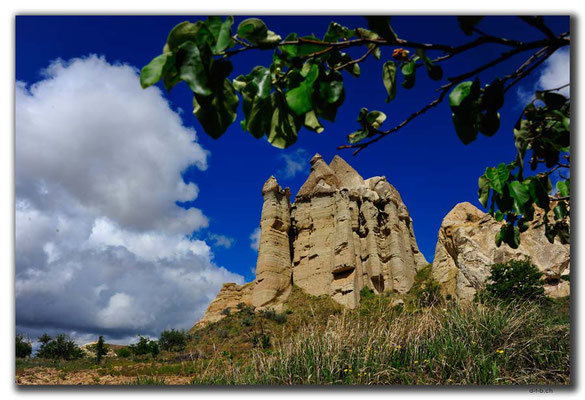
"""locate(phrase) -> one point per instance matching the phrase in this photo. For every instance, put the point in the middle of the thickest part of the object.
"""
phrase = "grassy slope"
(321, 343)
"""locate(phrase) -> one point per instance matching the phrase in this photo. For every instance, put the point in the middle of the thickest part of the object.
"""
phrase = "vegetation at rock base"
(515, 280)
(378, 343)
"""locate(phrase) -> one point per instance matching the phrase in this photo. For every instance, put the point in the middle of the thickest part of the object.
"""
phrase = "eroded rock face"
(230, 295)
(350, 233)
(466, 249)
(342, 233)
(273, 269)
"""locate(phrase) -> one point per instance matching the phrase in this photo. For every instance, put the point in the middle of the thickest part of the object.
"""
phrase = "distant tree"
(101, 349)
(144, 346)
(62, 347)
(304, 83)
(173, 340)
(23, 346)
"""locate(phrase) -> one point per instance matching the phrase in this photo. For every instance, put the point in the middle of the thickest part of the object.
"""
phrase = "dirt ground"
(51, 376)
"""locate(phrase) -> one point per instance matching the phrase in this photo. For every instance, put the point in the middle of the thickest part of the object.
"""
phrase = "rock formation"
(466, 249)
(349, 233)
(341, 234)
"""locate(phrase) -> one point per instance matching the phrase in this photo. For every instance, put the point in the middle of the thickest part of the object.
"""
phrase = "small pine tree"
(100, 349)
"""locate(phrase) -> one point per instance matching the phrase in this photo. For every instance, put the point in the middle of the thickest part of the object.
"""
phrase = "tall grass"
(464, 344)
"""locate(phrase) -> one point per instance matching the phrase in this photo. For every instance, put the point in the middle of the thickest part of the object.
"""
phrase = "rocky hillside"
(343, 233)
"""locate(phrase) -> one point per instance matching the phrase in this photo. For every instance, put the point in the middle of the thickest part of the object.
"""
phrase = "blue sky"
(425, 161)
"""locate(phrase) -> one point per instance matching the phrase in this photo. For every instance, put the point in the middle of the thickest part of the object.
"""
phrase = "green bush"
(515, 280)
(279, 318)
(144, 346)
(173, 340)
(426, 290)
(23, 347)
(123, 352)
(62, 347)
(366, 293)
(226, 311)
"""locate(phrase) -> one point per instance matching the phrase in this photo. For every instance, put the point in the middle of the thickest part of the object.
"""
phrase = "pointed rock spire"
(348, 177)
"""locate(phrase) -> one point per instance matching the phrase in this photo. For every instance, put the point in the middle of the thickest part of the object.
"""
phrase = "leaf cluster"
(544, 129)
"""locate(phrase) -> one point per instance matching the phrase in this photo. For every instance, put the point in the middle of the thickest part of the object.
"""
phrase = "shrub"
(226, 311)
(248, 320)
(144, 346)
(23, 347)
(279, 318)
(366, 293)
(173, 340)
(515, 280)
(426, 290)
(62, 347)
(123, 352)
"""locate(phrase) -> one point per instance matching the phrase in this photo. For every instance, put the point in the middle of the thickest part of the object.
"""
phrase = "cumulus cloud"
(255, 239)
(221, 240)
(554, 73)
(296, 162)
(101, 246)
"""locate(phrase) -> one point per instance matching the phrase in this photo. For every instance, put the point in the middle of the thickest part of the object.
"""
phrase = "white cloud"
(296, 162)
(555, 73)
(221, 240)
(101, 246)
(255, 239)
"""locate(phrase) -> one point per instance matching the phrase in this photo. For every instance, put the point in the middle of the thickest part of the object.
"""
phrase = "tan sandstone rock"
(349, 233)
(343, 233)
(466, 248)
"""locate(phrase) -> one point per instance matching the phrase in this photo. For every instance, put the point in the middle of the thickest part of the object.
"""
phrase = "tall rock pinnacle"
(342, 233)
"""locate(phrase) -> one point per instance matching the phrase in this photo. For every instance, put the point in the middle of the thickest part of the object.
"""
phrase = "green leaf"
(381, 25)
(497, 177)
(283, 127)
(465, 128)
(330, 86)
(489, 123)
(357, 136)
(408, 68)
(154, 70)
(216, 113)
(560, 211)
(484, 190)
(336, 32)
(435, 72)
(312, 122)
(299, 99)
(539, 190)
(302, 49)
(521, 195)
(389, 79)
(554, 100)
(224, 36)
(459, 94)
(563, 188)
(186, 31)
(467, 23)
(375, 119)
(253, 30)
(193, 68)
(493, 96)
